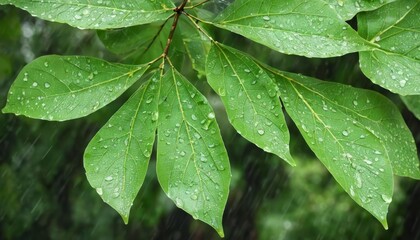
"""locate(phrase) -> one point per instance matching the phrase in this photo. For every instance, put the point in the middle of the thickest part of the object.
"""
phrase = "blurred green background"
(44, 193)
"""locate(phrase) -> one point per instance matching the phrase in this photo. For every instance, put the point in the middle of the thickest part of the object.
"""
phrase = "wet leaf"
(250, 98)
(139, 44)
(357, 134)
(347, 9)
(61, 87)
(395, 65)
(413, 104)
(300, 27)
(117, 157)
(98, 14)
(192, 163)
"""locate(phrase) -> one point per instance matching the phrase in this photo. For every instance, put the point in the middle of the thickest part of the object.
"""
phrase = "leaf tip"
(125, 218)
(221, 232)
(385, 224)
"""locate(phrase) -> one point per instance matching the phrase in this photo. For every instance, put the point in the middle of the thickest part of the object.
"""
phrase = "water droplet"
(402, 83)
(179, 203)
(211, 115)
(47, 85)
(352, 191)
(355, 103)
(99, 191)
(345, 133)
(46, 64)
(109, 178)
(261, 131)
(34, 84)
(147, 153)
(358, 180)
(193, 117)
(194, 197)
(368, 162)
(155, 116)
(386, 198)
(266, 18)
(222, 92)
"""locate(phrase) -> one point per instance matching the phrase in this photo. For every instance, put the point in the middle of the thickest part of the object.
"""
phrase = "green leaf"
(144, 43)
(251, 99)
(301, 27)
(192, 163)
(413, 104)
(61, 87)
(117, 157)
(99, 14)
(139, 44)
(395, 65)
(347, 9)
(197, 47)
(359, 136)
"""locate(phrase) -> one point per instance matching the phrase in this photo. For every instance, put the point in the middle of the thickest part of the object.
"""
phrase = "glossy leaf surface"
(299, 27)
(99, 14)
(347, 9)
(192, 164)
(61, 88)
(357, 134)
(395, 65)
(250, 98)
(117, 157)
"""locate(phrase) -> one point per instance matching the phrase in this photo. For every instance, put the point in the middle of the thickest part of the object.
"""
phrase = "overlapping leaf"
(61, 88)
(138, 44)
(347, 9)
(192, 163)
(117, 157)
(413, 104)
(98, 14)
(358, 135)
(300, 27)
(251, 99)
(395, 65)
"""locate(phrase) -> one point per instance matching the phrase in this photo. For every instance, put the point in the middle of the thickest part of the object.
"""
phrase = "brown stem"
(178, 11)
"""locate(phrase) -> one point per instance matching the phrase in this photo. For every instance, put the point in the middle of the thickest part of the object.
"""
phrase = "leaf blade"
(413, 104)
(247, 92)
(48, 87)
(306, 28)
(354, 133)
(348, 9)
(117, 157)
(395, 64)
(192, 163)
(102, 14)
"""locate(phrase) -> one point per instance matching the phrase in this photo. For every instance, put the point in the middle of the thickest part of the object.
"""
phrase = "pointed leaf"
(347, 9)
(396, 64)
(300, 27)
(192, 163)
(357, 134)
(251, 99)
(99, 14)
(61, 88)
(413, 104)
(117, 157)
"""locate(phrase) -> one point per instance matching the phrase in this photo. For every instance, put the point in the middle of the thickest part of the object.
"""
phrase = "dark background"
(44, 193)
